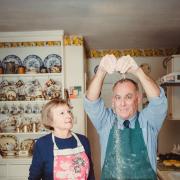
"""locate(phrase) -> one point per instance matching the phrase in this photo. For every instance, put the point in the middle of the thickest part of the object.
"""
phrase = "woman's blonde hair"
(46, 115)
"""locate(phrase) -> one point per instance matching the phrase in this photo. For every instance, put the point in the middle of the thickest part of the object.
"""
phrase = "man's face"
(125, 100)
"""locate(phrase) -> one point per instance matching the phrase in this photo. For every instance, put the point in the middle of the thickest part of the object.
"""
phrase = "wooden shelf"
(170, 84)
(16, 160)
(31, 75)
(27, 133)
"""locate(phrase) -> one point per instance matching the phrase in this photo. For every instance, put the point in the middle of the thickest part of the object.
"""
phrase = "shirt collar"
(132, 121)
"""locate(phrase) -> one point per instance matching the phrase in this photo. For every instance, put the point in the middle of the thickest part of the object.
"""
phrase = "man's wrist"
(138, 72)
(101, 70)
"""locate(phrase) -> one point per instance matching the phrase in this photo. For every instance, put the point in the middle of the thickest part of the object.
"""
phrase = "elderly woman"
(61, 154)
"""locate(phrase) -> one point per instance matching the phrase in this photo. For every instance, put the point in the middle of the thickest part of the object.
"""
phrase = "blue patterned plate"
(33, 61)
(11, 58)
(52, 60)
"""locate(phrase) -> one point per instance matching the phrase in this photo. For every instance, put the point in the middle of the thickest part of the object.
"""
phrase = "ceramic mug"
(10, 68)
(1, 70)
(21, 70)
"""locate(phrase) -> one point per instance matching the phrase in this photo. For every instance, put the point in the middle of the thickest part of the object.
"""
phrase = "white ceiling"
(105, 24)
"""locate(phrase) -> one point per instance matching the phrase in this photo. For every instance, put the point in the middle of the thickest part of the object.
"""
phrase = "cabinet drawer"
(2, 171)
(15, 170)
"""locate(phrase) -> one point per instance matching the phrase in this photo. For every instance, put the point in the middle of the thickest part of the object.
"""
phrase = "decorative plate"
(27, 145)
(4, 83)
(53, 91)
(33, 61)
(33, 88)
(10, 87)
(11, 58)
(29, 89)
(52, 60)
(8, 142)
(11, 63)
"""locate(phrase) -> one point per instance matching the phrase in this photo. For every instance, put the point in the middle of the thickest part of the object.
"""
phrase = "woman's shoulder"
(44, 139)
(82, 138)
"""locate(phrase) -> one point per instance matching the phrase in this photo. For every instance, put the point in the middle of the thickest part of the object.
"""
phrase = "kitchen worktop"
(168, 175)
(167, 172)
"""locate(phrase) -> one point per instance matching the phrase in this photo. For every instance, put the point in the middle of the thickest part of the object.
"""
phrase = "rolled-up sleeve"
(97, 112)
(156, 111)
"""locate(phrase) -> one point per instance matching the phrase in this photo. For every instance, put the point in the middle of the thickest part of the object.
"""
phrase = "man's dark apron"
(126, 156)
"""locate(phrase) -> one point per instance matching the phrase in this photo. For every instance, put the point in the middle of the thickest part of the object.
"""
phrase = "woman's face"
(62, 118)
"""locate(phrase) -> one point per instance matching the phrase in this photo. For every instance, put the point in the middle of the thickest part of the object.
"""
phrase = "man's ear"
(112, 102)
(113, 106)
(139, 97)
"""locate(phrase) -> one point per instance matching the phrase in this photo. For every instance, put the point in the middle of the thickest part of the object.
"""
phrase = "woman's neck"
(62, 134)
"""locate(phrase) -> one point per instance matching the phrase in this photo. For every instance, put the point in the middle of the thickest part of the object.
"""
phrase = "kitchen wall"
(169, 133)
(169, 136)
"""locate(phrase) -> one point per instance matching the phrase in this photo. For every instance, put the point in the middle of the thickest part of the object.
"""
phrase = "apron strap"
(68, 151)
(77, 139)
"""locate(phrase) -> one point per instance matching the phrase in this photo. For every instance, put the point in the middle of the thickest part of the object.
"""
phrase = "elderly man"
(128, 137)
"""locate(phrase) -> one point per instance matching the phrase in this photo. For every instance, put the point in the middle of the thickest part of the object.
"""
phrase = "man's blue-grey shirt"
(150, 119)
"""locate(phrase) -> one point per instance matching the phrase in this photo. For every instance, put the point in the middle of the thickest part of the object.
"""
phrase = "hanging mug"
(21, 70)
(10, 68)
(1, 70)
